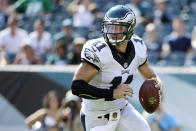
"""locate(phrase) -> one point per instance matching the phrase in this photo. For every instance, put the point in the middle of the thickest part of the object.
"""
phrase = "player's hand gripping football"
(159, 84)
(122, 91)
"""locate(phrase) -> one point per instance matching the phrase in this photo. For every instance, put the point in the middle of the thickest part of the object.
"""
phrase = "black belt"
(107, 116)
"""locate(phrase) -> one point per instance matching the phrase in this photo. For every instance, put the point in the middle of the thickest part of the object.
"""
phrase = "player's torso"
(114, 70)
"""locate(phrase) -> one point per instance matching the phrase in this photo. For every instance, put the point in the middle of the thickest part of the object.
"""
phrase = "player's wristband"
(82, 89)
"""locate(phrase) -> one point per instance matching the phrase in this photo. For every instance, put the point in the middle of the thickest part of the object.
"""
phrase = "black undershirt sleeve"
(87, 91)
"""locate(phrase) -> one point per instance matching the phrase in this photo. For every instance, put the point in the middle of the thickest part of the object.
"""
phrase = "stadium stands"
(184, 8)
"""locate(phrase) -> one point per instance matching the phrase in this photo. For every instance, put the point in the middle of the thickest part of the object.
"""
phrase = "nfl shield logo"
(125, 65)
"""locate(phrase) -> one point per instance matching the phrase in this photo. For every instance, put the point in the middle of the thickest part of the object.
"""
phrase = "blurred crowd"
(56, 114)
(54, 31)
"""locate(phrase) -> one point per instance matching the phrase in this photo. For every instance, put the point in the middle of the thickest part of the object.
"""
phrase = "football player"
(109, 64)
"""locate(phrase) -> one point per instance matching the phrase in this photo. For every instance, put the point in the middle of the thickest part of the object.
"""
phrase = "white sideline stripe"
(72, 68)
(175, 70)
(39, 68)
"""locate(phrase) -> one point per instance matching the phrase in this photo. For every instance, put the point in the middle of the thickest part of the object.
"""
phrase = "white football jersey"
(114, 69)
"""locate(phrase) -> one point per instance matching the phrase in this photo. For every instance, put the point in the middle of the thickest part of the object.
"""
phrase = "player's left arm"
(147, 72)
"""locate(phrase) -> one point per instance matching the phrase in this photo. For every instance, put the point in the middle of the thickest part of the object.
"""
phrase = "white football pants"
(128, 119)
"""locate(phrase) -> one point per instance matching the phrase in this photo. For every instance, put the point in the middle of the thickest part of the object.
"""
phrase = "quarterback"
(109, 64)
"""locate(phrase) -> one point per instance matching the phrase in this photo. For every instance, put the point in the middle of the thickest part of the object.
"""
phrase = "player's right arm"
(85, 73)
(81, 88)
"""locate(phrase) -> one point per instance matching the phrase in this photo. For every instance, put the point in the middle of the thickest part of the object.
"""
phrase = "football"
(149, 96)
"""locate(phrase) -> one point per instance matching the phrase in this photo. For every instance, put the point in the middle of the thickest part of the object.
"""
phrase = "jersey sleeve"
(90, 55)
(141, 50)
(143, 55)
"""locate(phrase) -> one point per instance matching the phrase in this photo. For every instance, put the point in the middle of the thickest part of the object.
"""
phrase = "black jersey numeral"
(129, 79)
(99, 46)
(117, 81)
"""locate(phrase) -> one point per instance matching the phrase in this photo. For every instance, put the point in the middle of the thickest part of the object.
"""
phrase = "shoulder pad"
(91, 51)
(137, 39)
(140, 48)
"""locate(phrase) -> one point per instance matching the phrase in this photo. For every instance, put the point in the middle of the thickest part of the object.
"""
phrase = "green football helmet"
(118, 24)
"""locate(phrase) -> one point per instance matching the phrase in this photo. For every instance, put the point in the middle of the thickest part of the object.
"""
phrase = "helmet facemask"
(116, 33)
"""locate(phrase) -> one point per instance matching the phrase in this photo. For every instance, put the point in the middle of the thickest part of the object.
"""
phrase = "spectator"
(51, 114)
(3, 58)
(191, 57)
(162, 18)
(161, 120)
(96, 14)
(151, 38)
(153, 43)
(34, 7)
(60, 55)
(74, 103)
(95, 29)
(27, 56)
(160, 14)
(141, 8)
(75, 56)
(82, 17)
(134, 5)
(193, 38)
(3, 12)
(40, 40)
(66, 35)
(11, 37)
(3, 5)
(3, 20)
(177, 40)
